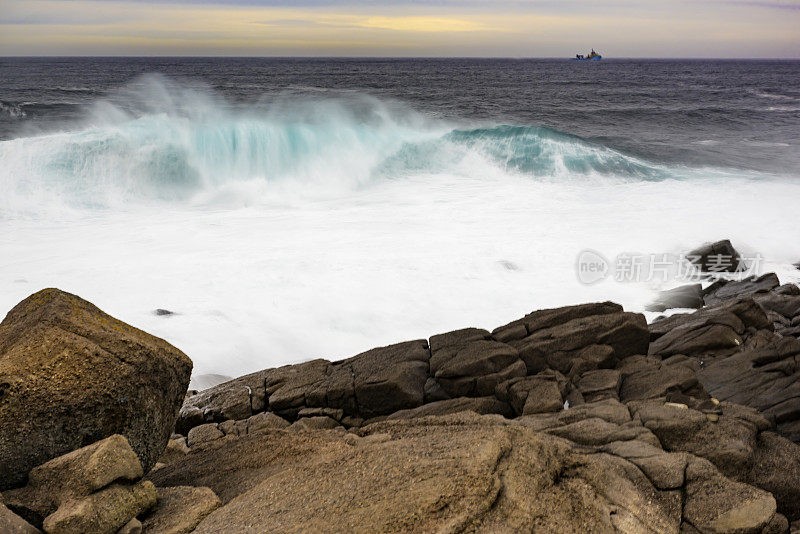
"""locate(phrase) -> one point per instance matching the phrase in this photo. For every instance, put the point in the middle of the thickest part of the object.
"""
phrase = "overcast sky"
(495, 28)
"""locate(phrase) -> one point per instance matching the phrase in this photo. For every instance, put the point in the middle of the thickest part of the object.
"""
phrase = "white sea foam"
(321, 229)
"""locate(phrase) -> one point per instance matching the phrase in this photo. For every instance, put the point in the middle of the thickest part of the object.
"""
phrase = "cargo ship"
(591, 56)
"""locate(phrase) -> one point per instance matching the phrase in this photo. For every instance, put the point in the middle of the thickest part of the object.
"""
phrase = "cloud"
(619, 28)
(769, 5)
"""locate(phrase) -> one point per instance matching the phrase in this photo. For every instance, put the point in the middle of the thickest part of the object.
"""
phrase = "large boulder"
(689, 296)
(710, 331)
(764, 377)
(717, 257)
(725, 290)
(71, 375)
(565, 337)
(467, 363)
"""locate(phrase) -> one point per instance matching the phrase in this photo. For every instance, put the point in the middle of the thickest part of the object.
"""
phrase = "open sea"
(287, 209)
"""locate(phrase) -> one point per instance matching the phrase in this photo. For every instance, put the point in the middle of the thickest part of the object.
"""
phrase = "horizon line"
(168, 56)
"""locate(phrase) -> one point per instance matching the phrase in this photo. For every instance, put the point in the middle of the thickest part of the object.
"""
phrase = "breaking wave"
(160, 140)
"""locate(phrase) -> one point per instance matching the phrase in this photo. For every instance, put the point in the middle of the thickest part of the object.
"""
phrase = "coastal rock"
(665, 470)
(715, 329)
(265, 421)
(104, 512)
(556, 345)
(203, 434)
(534, 394)
(75, 476)
(600, 384)
(542, 319)
(766, 378)
(776, 468)
(479, 405)
(458, 472)
(319, 422)
(783, 310)
(717, 257)
(689, 296)
(648, 378)
(741, 288)
(11, 523)
(390, 378)
(134, 526)
(377, 382)
(729, 442)
(719, 505)
(176, 448)
(179, 509)
(466, 363)
(71, 375)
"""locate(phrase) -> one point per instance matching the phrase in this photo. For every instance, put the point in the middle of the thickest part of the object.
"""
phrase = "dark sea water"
(743, 114)
(289, 209)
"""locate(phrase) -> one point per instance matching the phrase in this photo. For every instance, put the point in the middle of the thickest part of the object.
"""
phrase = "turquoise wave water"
(177, 143)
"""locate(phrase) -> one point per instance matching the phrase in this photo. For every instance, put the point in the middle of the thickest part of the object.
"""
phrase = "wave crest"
(157, 139)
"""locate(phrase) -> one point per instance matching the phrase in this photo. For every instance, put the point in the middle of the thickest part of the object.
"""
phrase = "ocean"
(288, 209)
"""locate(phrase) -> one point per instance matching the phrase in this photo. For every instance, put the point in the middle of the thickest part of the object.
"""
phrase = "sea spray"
(298, 226)
(158, 140)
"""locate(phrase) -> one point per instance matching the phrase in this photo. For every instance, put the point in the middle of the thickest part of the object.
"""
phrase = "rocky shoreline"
(581, 418)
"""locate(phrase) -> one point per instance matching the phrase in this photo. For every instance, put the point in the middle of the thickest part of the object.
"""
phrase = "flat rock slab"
(179, 509)
(451, 473)
(479, 405)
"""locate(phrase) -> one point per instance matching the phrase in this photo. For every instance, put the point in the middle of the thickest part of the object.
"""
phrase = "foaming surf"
(157, 140)
(320, 226)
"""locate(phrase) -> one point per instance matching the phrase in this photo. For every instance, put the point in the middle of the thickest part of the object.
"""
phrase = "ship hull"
(596, 58)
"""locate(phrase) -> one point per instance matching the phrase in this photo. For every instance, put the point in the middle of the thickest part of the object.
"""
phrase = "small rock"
(233, 428)
(689, 296)
(265, 421)
(176, 449)
(717, 257)
(712, 417)
(103, 512)
(76, 475)
(676, 405)
(203, 434)
(11, 523)
(162, 312)
(134, 526)
(321, 422)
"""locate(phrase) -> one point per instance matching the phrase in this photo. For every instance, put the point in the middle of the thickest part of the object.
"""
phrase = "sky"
(402, 28)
